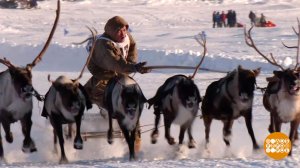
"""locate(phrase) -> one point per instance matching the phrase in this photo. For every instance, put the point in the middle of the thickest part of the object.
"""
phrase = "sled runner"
(94, 125)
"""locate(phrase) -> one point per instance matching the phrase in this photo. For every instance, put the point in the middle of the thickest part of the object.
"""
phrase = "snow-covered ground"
(164, 31)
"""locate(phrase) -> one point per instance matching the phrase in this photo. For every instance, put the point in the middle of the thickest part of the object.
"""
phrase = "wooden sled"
(93, 125)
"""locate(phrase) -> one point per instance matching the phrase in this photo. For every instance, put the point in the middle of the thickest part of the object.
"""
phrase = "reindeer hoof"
(171, 141)
(154, 136)
(63, 161)
(103, 113)
(270, 129)
(255, 147)
(192, 144)
(29, 148)
(9, 137)
(78, 145)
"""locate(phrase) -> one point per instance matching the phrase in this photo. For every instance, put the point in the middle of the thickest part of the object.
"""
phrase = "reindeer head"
(68, 91)
(21, 76)
(190, 96)
(286, 79)
(131, 100)
(247, 82)
(22, 82)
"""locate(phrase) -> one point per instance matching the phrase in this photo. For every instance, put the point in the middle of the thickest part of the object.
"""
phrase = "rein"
(38, 96)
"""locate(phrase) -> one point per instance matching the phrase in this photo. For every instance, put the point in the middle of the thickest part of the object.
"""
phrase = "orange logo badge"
(277, 145)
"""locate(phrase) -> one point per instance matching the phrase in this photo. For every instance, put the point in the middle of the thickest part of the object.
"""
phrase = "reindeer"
(16, 96)
(229, 98)
(178, 100)
(124, 101)
(65, 102)
(282, 95)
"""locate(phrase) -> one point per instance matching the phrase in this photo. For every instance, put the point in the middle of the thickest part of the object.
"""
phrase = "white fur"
(54, 103)
(10, 100)
(288, 106)
(239, 105)
(129, 123)
(63, 80)
(227, 137)
(183, 114)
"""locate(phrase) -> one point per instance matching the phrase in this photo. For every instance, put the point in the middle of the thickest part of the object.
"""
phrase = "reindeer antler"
(297, 47)
(201, 39)
(249, 41)
(87, 39)
(49, 79)
(39, 57)
(6, 63)
(91, 52)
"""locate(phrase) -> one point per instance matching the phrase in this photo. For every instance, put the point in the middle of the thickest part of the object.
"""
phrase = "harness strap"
(227, 90)
(38, 96)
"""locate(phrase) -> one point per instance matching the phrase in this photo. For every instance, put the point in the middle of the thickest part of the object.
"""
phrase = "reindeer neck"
(230, 86)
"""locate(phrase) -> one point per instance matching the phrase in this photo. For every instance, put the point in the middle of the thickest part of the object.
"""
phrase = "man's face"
(121, 34)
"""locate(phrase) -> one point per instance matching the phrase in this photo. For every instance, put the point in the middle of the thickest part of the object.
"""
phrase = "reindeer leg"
(181, 133)
(138, 138)
(296, 134)
(55, 141)
(192, 143)
(78, 143)
(70, 131)
(271, 126)
(293, 131)
(277, 123)
(28, 143)
(110, 129)
(248, 119)
(207, 122)
(129, 141)
(155, 132)
(8, 134)
(132, 144)
(1, 146)
(227, 131)
(59, 132)
(169, 138)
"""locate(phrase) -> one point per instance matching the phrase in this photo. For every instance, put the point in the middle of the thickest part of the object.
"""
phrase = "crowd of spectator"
(224, 19)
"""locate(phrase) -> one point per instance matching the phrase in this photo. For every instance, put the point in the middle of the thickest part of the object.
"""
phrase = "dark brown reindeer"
(282, 95)
(16, 92)
(178, 100)
(228, 99)
(124, 101)
(65, 103)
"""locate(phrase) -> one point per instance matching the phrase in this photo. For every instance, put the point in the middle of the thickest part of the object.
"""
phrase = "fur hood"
(114, 24)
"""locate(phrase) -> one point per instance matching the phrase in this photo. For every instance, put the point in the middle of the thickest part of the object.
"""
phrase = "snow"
(164, 31)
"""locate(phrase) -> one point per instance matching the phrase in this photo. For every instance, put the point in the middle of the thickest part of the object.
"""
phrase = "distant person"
(33, 3)
(229, 18)
(252, 18)
(218, 19)
(234, 19)
(223, 19)
(214, 19)
(263, 20)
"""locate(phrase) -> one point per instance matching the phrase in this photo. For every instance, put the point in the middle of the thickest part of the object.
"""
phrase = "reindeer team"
(178, 100)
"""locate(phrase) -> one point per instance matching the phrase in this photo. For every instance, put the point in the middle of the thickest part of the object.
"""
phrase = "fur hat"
(114, 24)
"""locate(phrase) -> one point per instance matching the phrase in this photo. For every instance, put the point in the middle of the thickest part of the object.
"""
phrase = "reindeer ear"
(28, 67)
(278, 73)
(256, 71)
(272, 79)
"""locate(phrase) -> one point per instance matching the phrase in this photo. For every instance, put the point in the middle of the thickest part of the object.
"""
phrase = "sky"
(164, 31)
